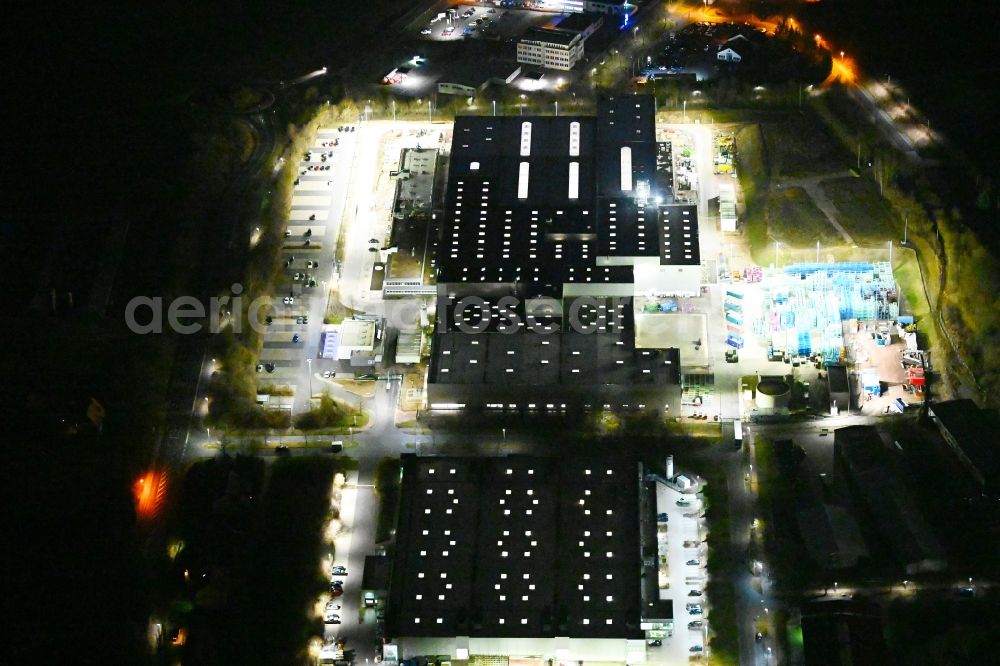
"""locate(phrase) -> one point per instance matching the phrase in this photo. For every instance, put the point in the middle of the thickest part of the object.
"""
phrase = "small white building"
(550, 48)
(728, 54)
(348, 338)
(735, 49)
(727, 207)
(408, 346)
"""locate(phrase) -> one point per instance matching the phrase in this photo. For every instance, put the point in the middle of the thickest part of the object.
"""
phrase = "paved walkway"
(812, 187)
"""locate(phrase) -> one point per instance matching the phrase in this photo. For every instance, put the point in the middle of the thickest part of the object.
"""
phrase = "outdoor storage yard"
(817, 315)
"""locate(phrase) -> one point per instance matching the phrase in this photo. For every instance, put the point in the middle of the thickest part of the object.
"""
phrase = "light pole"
(504, 431)
(890, 254)
(557, 108)
(494, 107)
(430, 119)
(685, 110)
(309, 362)
(906, 224)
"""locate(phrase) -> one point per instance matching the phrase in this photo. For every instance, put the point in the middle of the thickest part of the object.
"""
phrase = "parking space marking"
(278, 354)
(310, 200)
(303, 214)
(319, 230)
(312, 185)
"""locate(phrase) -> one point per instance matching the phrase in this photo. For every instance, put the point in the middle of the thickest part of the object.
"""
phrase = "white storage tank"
(773, 393)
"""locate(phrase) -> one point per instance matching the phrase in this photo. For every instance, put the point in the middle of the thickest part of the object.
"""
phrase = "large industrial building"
(521, 557)
(886, 506)
(551, 226)
(969, 431)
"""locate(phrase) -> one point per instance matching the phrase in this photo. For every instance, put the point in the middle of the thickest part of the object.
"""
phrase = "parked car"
(339, 571)
(695, 624)
(693, 563)
(696, 648)
(331, 618)
(694, 593)
(656, 642)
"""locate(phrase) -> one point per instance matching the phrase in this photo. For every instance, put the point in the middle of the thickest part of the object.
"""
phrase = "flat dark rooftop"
(974, 432)
(517, 547)
(550, 35)
(679, 235)
(842, 633)
(597, 349)
(536, 200)
(578, 22)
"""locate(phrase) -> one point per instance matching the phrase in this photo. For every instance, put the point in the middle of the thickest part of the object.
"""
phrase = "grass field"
(864, 213)
(794, 219)
(907, 274)
(801, 146)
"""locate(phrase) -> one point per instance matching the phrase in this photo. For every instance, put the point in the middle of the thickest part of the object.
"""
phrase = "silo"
(773, 393)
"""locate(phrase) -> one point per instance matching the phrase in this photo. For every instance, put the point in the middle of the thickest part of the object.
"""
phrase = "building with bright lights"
(551, 226)
(522, 557)
(550, 48)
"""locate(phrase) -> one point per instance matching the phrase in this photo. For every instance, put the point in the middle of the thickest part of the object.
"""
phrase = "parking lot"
(307, 261)
(478, 22)
(684, 574)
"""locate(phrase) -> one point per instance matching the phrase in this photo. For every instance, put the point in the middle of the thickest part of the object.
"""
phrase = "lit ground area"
(684, 544)
(674, 329)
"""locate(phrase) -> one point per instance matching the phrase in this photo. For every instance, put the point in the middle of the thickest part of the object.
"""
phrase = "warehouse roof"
(517, 546)
(679, 235)
(535, 200)
(970, 430)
